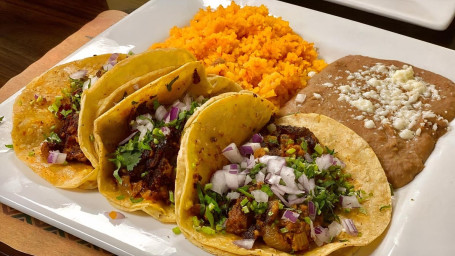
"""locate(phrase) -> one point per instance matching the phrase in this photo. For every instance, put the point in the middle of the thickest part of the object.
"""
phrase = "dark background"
(29, 28)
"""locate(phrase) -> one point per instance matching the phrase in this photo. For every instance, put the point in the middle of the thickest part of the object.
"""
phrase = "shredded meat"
(156, 170)
(276, 141)
(238, 222)
(69, 141)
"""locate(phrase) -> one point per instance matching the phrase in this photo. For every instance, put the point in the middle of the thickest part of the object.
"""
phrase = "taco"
(46, 116)
(124, 79)
(250, 185)
(139, 139)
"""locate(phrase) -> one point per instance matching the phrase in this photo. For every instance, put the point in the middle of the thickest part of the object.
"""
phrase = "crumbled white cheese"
(317, 95)
(311, 73)
(390, 95)
(363, 105)
(327, 84)
(300, 98)
(406, 134)
(369, 124)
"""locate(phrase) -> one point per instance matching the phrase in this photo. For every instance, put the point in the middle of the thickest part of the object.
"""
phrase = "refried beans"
(400, 110)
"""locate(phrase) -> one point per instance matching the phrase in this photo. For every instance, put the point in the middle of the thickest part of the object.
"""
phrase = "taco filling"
(146, 160)
(62, 145)
(282, 187)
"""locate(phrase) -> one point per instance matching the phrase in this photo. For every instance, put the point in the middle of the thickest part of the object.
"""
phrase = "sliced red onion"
(289, 190)
(233, 171)
(349, 202)
(55, 157)
(308, 158)
(260, 177)
(233, 195)
(36, 97)
(245, 243)
(260, 196)
(274, 165)
(308, 185)
(231, 167)
(277, 192)
(324, 161)
(249, 148)
(232, 153)
(297, 200)
(257, 138)
(290, 215)
(338, 162)
(113, 59)
(166, 130)
(349, 227)
(251, 161)
(322, 235)
(160, 113)
(187, 100)
(300, 98)
(173, 113)
(128, 138)
(218, 181)
(231, 180)
(288, 176)
(78, 74)
(180, 105)
(335, 229)
(311, 210)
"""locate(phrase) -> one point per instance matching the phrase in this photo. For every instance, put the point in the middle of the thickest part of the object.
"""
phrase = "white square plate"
(434, 14)
(422, 221)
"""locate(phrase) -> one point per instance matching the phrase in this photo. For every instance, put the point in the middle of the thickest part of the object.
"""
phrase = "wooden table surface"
(29, 28)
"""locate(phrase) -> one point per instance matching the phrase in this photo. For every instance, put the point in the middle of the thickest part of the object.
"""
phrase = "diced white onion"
(349, 227)
(233, 195)
(335, 229)
(274, 165)
(324, 161)
(260, 196)
(231, 180)
(55, 157)
(231, 152)
(245, 243)
(349, 202)
(78, 74)
(218, 181)
(160, 113)
(288, 176)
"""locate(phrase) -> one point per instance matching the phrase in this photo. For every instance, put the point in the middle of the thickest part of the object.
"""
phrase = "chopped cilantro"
(171, 196)
(156, 104)
(343, 240)
(385, 207)
(207, 230)
(31, 153)
(284, 230)
(134, 102)
(120, 197)
(10, 146)
(53, 137)
(318, 148)
(65, 113)
(91, 137)
(176, 230)
(1, 118)
(136, 200)
(169, 85)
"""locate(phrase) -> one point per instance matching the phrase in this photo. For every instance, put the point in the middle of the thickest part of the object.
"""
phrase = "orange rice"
(260, 52)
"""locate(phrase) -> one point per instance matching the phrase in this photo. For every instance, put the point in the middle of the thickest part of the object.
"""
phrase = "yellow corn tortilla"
(235, 118)
(96, 100)
(112, 127)
(32, 122)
